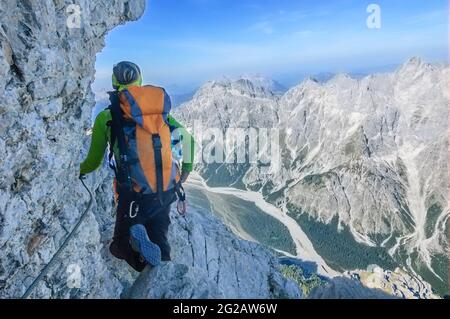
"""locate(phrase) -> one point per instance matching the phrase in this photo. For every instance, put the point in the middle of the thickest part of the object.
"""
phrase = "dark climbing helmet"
(125, 73)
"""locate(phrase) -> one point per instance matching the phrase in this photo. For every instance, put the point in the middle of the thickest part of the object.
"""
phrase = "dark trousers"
(157, 221)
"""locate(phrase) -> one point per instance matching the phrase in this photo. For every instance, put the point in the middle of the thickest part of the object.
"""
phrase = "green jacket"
(101, 135)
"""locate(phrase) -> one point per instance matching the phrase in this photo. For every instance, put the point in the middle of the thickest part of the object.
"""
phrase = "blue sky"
(180, 44)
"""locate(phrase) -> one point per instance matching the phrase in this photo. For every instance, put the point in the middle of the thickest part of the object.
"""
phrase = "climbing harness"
(62, 247)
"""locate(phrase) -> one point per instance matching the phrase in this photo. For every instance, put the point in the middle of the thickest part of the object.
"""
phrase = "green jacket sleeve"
(99, 142)
(188, 145)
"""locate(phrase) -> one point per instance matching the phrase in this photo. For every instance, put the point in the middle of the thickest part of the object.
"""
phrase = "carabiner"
(133, 213)
(181, 207)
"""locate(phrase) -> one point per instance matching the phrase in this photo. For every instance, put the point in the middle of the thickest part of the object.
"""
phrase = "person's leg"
(158, 229)
(121, 228)
(120, 246)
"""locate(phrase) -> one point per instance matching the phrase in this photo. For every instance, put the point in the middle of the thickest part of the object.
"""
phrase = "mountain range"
(363, 162)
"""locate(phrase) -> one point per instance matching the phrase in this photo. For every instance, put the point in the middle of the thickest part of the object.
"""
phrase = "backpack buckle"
(156, 142)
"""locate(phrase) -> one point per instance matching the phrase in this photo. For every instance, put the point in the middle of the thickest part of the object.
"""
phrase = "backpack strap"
(123, 171)
(157, 146)
(112, 141)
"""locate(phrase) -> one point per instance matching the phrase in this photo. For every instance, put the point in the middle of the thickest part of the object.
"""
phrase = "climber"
(140, 133)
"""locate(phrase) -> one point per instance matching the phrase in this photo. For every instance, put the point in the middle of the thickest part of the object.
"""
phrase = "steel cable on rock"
(47, 267)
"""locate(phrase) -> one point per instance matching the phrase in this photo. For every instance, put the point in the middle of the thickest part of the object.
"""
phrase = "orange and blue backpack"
(145, 166)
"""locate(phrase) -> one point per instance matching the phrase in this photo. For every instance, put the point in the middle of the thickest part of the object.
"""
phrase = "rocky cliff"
(210, 261)
(46, 68)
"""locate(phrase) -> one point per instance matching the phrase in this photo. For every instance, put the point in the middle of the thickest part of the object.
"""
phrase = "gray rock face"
(346, 288)
(174, 281)
(240, 269)
(398, 283)
(46, 69)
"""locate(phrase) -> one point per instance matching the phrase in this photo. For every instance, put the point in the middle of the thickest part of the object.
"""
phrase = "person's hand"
(184, 177)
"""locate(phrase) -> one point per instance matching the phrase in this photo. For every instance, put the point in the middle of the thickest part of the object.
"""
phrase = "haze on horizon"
(182, 44)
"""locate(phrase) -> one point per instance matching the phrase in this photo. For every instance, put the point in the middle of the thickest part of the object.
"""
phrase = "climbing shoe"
(142, 244)
(122, 250)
